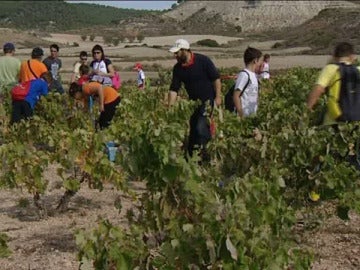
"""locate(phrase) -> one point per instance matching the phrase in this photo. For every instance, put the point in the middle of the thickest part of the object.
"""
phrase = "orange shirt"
(37, 67)
(110, 94)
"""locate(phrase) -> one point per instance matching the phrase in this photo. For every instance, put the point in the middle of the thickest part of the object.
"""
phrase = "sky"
(156, 5)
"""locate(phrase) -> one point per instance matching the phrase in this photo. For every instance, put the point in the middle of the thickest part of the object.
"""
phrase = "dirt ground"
(44, 244)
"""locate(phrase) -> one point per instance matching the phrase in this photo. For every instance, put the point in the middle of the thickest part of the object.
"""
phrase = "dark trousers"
(20, 110)
(107, 115)
(199, 131)
(56, 84)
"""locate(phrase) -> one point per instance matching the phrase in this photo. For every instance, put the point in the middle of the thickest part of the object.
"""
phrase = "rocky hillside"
(255, 15)
(322, 32)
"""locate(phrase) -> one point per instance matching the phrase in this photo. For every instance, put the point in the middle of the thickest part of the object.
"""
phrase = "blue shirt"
(38, 87)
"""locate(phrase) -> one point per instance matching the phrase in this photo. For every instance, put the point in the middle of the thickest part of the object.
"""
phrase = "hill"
(59, 15)
(254, 16)
(323, 31)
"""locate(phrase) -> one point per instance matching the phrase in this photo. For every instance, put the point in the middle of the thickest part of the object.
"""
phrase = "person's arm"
(172, 98)
(240, 84)
(217, 86)
(237, 102)
(174, 87)
(314, 96)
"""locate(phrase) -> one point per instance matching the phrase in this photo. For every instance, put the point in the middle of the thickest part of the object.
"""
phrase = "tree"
(140, 37)
(115, 41)
(107, 39)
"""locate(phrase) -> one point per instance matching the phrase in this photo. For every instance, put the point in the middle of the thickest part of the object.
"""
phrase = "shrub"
(91, 37)
(208, 43)
(83, 37)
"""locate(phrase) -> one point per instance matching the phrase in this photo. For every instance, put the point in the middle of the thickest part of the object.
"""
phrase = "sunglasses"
(53, 51)
(84, 59)
(96, 52)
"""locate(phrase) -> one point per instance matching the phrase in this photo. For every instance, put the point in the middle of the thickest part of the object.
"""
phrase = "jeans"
(20, 110)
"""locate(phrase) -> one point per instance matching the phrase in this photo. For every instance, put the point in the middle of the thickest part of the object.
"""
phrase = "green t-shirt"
(9, 70)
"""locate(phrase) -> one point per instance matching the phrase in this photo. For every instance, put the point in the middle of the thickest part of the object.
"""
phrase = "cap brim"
(174, 49)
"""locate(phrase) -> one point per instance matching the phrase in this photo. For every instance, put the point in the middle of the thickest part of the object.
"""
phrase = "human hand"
(218, 100)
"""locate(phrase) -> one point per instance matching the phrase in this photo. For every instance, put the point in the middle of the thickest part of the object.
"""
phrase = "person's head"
(98, 52)
(54, 50)
(47, 76)
(266, 57)
(344, 50)
(8, 48)
(138, 66)
(37, 53)
(252, 56)
(84, 70)
(75, 91)
(181, 50)
(83, 56)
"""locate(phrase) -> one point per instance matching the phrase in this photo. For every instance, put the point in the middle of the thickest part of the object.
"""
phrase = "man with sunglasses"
(202, 82)
(53, 64)
(76, 72)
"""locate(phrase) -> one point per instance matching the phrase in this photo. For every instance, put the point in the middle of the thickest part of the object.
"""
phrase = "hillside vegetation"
(60, 15)
(323, 31)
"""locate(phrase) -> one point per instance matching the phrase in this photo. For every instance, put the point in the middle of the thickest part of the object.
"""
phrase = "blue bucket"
(111, 149)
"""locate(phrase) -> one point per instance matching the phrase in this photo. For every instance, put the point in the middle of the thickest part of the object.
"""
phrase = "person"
(202, 82)
(53, 64)
(84, 71)
(263, 71)
(246, 90)
(341, 80)
(9, 67)
(141, 76)
(109, 99)
(83, 60)
(329, 80)
(102, 68)
(23, 109)
(33, 68)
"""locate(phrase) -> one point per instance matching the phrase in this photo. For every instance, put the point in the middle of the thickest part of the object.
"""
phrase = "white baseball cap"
(180, 44)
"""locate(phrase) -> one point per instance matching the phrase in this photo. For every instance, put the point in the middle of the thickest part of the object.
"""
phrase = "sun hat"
(180, 44)
(9, 46)
(36, 52)
(138, 66)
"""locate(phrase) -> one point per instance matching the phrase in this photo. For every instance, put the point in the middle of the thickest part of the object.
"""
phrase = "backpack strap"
(247, 83)
(32, 72)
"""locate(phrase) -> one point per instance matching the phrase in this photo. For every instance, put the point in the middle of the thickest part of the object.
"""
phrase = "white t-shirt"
(141, 77)
(101, 66)
(249, 97)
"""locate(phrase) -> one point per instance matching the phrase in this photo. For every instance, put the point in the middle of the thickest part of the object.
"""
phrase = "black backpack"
(229, 102)
(349, 97)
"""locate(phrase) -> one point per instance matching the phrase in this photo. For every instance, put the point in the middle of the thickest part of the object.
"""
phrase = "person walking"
(340, 79)
(53, 64)
(246, 90)
(202, 82)
(33, 68)
(9, 68)
(140, 76)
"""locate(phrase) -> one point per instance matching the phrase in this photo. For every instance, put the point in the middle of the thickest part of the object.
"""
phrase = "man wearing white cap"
(9, 67)
(202, 82)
